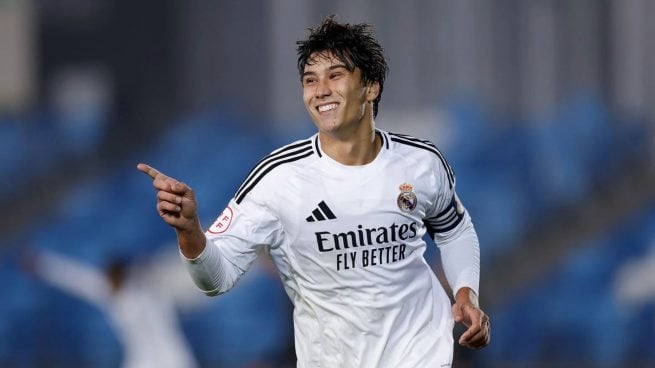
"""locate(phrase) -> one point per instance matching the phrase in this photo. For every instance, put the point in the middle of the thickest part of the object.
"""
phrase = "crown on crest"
(406, 187)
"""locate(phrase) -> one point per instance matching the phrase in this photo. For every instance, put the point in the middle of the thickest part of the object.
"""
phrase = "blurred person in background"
(634, 282)
(141, 300)
(342, 215)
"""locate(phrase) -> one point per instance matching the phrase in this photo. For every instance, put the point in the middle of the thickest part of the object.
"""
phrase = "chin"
(328, 126)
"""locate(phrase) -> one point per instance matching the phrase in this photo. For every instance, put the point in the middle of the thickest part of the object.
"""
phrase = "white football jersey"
(347, 241)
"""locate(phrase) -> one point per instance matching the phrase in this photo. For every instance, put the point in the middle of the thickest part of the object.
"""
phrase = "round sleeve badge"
(223, 221)
(406, 199)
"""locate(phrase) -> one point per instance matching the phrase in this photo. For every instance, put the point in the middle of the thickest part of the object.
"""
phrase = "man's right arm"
(177, 206)
(212, 273)
(192, 242)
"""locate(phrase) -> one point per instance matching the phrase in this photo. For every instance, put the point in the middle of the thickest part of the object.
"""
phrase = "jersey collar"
(380, 133)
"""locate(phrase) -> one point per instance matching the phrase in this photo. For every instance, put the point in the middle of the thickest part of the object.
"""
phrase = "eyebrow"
(332, 67)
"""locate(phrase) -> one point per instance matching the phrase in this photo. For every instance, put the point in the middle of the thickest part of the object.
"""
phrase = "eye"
(336, 75)
(309, 81)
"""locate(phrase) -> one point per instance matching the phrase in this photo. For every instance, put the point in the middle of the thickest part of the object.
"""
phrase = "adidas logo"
(321, 213)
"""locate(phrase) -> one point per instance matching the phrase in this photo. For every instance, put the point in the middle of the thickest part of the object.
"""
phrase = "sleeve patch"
(223, 221)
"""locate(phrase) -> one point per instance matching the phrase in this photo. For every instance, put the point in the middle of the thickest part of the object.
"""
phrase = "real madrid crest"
(406, 199)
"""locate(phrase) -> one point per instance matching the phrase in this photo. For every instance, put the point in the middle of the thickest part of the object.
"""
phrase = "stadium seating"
(572, 315)
(511, 175)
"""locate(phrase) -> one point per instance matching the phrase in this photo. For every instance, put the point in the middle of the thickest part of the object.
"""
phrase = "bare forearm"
(467, 295)
(192, 241)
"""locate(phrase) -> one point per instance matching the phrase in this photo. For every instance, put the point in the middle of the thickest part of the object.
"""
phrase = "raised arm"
(177, 206)
(69, 275)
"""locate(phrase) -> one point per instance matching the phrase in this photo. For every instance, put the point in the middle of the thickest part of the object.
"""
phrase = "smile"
(328, 107)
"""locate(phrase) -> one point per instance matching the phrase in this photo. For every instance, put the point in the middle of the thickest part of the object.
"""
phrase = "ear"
(372, 91)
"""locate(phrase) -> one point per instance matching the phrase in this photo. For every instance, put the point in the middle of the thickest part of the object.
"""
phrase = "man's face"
(335, 97)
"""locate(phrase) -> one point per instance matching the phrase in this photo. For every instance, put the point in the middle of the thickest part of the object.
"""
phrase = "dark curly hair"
(353, 44)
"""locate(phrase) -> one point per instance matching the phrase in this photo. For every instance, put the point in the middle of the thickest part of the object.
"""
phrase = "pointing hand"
(176, 202)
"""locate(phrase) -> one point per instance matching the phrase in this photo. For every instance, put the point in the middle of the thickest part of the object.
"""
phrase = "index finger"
(475, 319)
(151, 171)
(469, 334)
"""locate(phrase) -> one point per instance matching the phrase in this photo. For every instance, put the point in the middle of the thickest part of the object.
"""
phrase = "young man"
(342, 214)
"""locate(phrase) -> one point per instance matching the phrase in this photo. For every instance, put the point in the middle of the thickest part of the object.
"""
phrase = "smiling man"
(342, 214)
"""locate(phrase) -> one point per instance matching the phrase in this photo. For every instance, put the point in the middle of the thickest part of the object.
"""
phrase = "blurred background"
(545, 109)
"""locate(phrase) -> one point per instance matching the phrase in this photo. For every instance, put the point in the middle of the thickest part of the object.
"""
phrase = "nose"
(322, 89)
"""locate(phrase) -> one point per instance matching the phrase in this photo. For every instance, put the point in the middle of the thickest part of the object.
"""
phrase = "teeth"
(329, 107)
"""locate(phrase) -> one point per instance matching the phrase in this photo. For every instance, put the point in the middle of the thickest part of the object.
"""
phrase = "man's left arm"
(449, 224)
(467, 310)
(460, 256)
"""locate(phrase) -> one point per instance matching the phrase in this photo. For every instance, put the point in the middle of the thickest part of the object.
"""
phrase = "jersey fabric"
(348, 244)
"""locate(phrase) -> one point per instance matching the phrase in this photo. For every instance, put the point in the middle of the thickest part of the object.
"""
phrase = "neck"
(359, 148)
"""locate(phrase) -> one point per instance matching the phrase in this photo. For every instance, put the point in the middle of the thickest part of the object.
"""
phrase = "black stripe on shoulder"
(265, 168)
(414, 139)
(426, 145)
(280, 153)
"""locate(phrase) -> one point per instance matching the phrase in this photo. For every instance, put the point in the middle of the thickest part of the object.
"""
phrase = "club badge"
(406, 199)
(223, 221)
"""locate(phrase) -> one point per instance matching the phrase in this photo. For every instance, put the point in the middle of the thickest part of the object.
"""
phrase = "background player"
(141, 300)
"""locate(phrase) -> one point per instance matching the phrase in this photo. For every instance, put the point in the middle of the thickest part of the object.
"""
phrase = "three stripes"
(286, 154)
(321, 213)
(304, 149)
(426, 145)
